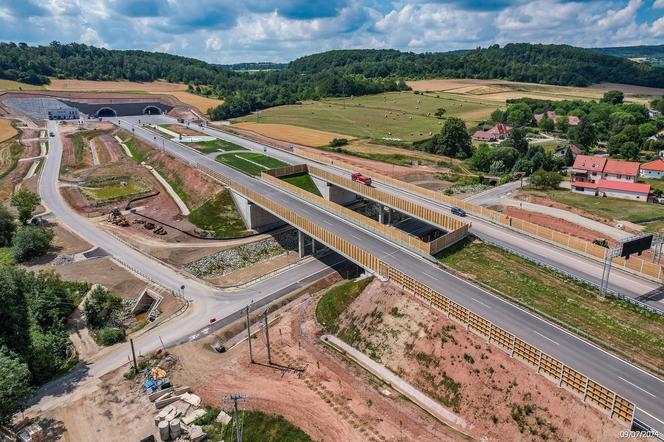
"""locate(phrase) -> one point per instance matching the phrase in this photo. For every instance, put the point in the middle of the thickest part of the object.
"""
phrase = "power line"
(236, 414)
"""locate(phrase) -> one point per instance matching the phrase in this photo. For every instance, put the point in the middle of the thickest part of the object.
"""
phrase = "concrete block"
(158, 394)
(191, 399)
(164, 431)
(162, 414)
(161, 403)
(196, 434)
(182, 407)
(175, 428)
(193, 415)
(223, 417)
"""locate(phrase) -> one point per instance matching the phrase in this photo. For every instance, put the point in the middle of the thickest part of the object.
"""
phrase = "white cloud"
(90, 36)
(659, 4)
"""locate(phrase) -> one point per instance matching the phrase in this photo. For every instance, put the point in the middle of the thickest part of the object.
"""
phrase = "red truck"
(361, 178)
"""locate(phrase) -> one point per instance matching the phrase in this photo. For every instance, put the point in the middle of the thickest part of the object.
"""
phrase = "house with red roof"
(498, 132)
(573, 121)
(604, 177)
(653, 169)
(551, 115)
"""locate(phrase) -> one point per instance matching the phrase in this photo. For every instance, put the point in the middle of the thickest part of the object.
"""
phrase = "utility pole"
(251, 355)
(133, 353)
(236, 414)
(267, 337)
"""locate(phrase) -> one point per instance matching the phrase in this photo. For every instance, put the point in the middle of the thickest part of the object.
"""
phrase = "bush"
(7, 227)
(109, 335)
(14, 383)
(31, 242)
(25, 202)
(545, 180)
(101, 307)
(338, 142)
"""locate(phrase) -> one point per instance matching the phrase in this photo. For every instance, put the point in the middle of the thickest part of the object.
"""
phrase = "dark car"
(458, 211)
(51, 134)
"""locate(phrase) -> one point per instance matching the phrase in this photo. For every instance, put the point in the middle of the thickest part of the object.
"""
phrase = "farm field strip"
(250, 163)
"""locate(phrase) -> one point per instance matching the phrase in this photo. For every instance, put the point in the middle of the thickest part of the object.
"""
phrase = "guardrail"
(589, 390)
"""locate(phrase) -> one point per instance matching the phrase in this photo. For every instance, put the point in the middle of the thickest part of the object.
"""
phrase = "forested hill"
(650, 54)
(535, 63)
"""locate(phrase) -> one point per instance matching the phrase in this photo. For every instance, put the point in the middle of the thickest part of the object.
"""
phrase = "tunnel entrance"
(106, 112)
(152, 110)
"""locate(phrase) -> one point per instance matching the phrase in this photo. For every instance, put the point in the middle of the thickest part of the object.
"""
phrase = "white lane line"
(480, 302)
(546, 337)
(356, 237)
(650, 415)
(430, 275)
(636, 386)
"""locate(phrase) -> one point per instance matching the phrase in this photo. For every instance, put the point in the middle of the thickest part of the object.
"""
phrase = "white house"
(653, 169)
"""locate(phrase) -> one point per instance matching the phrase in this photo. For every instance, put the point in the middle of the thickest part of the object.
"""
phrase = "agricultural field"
(291, 134)
(216, 146)
(219, 215)
(501, 90)
(613, 324)
(115, 189)
(250, 163)
(7, 131)
(397, 115)
(303, 181)
(11, 85)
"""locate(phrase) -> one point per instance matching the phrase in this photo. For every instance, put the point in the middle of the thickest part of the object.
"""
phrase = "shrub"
(31, 242)
(338, 142)
(109, 335)
(100, 307)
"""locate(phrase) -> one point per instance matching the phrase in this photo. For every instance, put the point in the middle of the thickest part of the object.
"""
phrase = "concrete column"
(313, 246)
(300, 243)
(381, 214)
(389, 216)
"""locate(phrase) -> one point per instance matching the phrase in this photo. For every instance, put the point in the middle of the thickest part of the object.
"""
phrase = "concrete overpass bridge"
(614, 385)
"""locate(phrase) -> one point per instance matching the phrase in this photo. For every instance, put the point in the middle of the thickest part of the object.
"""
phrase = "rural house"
(498, 132)
(600, 176)
(573, 121)
(551, 115)
(653, 169)
(561, 152)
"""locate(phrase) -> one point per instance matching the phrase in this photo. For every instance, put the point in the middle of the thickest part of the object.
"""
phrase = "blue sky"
(232, 31)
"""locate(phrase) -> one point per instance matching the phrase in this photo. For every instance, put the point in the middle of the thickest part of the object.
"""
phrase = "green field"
(138, 152)
(115, 190)
(613, 208)
(303, 181)
(257, 426)
(216, 146)
(402, 115)
(336, 300)
(250, 163)
(219, 215)
(612, 323)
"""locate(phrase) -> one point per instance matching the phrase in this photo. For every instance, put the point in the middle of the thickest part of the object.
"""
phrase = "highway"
(567, 261)
(207, 301)
(644, 389)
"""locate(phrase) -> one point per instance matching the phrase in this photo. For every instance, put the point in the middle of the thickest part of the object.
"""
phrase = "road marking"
(357, 238)
(480, 302)
(650, 415)
(636, 386)
(429, 275)
(546, 337)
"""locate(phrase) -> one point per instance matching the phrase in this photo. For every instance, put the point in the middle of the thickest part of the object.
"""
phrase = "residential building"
(498, 132)
(653, 169)
(562, 151)
(654, 113)
(551, 115)
(601, 176)
(573, 121)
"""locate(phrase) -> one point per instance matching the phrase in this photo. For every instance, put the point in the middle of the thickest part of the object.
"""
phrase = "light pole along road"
(207, 302)
(631, 382)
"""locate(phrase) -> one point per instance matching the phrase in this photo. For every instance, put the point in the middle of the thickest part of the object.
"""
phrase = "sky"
(234, 31)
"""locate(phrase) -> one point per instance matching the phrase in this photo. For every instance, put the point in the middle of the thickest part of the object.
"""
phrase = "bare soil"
(182, 129)
(6, 130)
(496, 395)
(312, 386)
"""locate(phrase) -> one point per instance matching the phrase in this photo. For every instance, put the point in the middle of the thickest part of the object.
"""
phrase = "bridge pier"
(255, 217)
(334, 193)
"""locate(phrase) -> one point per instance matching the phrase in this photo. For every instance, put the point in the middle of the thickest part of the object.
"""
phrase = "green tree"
(630, 150)
(542, 179)
(100, 307)
(7, 227)
(25, 202)
(518, 139)
(562, 124)
(613, 97)
(519, 114)
(498, 116)
(14, 384)
(440, 112)
(49, 353)
(658, 104)
(453, 139)
(647, 130)
(584, 134)
(547, 124)
(13, 310)
(31, 242)
(482, 158)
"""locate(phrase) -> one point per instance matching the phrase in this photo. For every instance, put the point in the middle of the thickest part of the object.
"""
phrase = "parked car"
(458, 211)
(51, 134)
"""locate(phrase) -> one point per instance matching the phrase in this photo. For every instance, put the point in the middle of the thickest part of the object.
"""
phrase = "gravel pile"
(62, 259)
(227, 261)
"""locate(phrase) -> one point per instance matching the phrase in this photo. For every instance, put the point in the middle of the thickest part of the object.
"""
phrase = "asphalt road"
(567, 261)
(207, 302)
(644, 389)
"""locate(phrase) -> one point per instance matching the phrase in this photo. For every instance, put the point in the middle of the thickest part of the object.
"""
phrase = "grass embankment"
(138, 152)
(219, 215)
(10, 152)
(336, 300)
(81, 152)
(613, 208)
(216, 146)
(256, 427)
(7, 130)
(611, 323)
(250, 163)
(303, 181)
(116, 189)
(406, 115)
